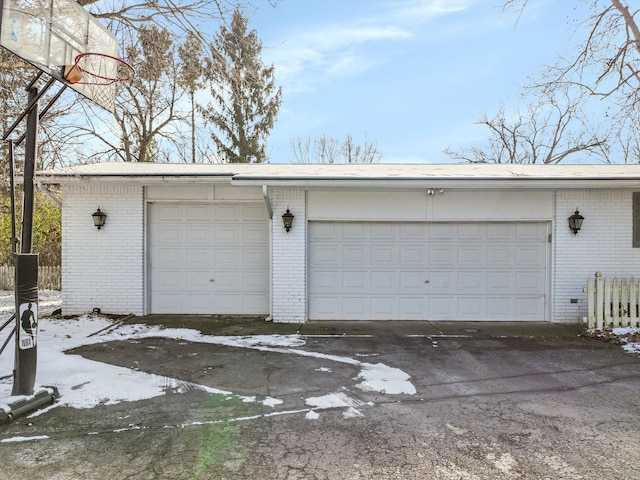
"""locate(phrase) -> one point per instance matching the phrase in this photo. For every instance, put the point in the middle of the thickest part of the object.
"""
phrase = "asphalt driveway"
(490, 401)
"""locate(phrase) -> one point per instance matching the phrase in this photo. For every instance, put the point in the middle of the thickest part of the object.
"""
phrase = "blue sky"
(412, 75)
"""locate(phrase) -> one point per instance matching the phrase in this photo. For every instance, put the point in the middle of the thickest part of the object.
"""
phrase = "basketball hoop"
(96, 75)
(98, 69)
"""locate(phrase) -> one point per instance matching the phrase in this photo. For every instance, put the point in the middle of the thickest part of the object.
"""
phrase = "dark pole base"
(23, 405)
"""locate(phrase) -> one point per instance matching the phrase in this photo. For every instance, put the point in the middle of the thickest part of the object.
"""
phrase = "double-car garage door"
(427, 271)
(209, 258)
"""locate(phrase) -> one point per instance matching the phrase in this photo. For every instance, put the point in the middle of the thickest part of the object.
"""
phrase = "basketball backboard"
(50, 34)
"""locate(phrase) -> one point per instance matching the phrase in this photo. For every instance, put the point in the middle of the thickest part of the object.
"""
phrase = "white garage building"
(368, 242)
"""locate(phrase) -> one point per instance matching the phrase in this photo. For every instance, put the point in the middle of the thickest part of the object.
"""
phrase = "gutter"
(412, 183)
(48, 193)
(267, 202)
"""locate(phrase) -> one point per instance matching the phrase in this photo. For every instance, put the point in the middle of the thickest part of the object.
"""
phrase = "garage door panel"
(530, 255)
(355, 281)
(411, 307)
(325, 307)
(254, 303)
(254, 235)
(325, 255)
(197, 280)
(255, 281)
(325, 281)
(500, 307)
(536, 232)
(227, 281)
(355, 231)
(383, 231)
(471, 282)
(383, 282)
(470, 231)
(441, 281)
(168, 234)
(412, 282)
(471, 256)
(411, 232)
(412, 255)
(253, 213)
(169, 257)
(227, 212)
(499, 282)
(197, 258)
(355, 306)
(169, 279)
(354, 254)
(227, 235)
(198, 235)
(434, 271)
(384, 255)
(383, 307)
(470, 308)
(198, 213)
(442, 255)
(500, 255)
(441, 307)
(255, 258)
(527, 308)
(499, 232)
(209, 258)
(441, 231)
(529, 282)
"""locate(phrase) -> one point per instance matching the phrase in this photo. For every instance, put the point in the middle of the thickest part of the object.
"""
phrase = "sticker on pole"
(28, 325)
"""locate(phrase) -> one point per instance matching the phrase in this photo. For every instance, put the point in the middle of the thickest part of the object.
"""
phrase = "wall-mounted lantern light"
(287, 220)
(99, 218)
(575, 222)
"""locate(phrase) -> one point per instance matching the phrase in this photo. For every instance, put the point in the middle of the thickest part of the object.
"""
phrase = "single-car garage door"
(209, 258)
(427, 271)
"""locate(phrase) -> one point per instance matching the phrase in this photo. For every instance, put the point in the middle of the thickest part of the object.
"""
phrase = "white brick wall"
(288, 253)
(103, 268)
(603, 244)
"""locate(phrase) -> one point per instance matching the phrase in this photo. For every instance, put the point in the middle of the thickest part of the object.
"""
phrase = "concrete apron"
(231, 325)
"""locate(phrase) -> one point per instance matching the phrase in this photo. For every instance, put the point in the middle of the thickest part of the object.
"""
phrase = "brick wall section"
(603, 245)
(288, 274)
(114, 280)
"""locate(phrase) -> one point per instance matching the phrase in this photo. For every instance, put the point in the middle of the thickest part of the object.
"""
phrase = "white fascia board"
(446, 183)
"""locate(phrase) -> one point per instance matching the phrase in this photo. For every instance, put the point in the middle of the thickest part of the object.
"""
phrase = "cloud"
(333, 51)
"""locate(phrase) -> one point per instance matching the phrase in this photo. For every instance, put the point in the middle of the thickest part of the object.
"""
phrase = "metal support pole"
(26, 266)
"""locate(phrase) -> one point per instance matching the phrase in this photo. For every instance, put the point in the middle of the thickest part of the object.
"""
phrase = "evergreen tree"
(245, 98)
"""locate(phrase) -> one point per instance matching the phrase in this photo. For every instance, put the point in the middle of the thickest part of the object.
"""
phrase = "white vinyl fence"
(49, 278)
(612, 302)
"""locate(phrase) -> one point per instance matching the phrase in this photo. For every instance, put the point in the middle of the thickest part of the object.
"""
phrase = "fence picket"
(49, 277)
(612, 302)
(633, 302)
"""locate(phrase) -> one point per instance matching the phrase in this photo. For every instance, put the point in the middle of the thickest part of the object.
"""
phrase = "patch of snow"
(312, 415)
(272, 402)
(632, 348)
(332, 400)
(85, 383)
(24, 439)
(383, 378)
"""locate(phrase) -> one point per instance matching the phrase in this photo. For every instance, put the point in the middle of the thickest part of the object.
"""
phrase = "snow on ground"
(85, 383)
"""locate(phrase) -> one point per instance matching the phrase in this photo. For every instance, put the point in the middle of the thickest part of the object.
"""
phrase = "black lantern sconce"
(575, 222)
(99, 218)
(287, 220)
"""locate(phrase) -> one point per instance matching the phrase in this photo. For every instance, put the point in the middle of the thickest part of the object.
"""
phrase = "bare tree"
(190, 77)
(605, 67)
(331, 150)
(549, 132)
